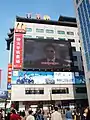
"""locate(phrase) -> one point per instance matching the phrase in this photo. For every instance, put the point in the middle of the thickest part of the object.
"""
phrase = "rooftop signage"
(38, 16)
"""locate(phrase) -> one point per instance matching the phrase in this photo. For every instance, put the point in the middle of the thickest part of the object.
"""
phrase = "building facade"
(69, 87)
(83, 20)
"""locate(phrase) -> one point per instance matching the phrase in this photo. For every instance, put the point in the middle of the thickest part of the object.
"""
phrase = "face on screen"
(50, 52)
(46, 54)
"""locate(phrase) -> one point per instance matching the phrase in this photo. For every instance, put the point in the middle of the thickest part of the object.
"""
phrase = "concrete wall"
(18, 93)
(55, 35)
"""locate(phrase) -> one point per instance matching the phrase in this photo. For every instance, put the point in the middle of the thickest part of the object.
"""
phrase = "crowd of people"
(55, 114)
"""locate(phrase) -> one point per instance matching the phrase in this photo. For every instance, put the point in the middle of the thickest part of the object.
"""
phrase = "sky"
(9, 9)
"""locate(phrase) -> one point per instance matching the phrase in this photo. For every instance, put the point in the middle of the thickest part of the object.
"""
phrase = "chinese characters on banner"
(9, 76)
(17, 58)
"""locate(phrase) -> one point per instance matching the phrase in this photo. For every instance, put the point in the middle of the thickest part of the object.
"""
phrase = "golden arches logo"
(46, 17)
(20, 27)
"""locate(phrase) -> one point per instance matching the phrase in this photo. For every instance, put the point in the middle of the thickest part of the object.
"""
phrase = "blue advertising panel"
(36, 77)
(9, 86)
(3, 94)
(31, 77)
(80, 79)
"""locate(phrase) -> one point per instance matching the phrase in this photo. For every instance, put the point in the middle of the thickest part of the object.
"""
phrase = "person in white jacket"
(56, 115)
(30, 117)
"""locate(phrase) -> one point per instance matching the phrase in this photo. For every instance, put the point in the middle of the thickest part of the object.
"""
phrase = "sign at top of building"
(38, 16)
(20, 27)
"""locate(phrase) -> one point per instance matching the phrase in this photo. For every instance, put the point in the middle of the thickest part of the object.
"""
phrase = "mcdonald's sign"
(46, 17)
(20, 27)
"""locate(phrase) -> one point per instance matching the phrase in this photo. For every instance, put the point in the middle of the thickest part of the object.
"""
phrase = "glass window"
(81, 58)
(79, 41)
(41, 37)
(76, 68)
(34, 91)
(28, 29)
(74, 58)
(27, 36)
(84, 24)
(81, 90)
(73, 49)
(60, 90)
(27, 92)
(49, 31)
(49, 38)
(61, 38)
(60, 32)
(71, 40)
(70, 33)
(39, 92)
(39, 30)
(77, 1)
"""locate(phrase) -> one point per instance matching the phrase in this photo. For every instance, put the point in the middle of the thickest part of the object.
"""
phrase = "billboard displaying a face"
(46, 54)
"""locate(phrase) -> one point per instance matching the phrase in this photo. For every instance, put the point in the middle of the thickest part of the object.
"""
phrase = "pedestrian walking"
(68, 114)
(39, 115)
(22, 115)
(14, 116)
(78, 115)
(56, 115)
(30, 116)
(88, 115)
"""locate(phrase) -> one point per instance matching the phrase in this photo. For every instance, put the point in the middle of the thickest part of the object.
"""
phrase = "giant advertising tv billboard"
(46, 54)
(38, 77)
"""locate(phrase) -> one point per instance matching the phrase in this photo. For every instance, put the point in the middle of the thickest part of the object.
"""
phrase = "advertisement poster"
(17, 57)
(3, 94)
(20, 77)
(36, 77)
(64, 77)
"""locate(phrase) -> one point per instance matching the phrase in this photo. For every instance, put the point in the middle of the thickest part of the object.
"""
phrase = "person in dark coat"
(88, 115)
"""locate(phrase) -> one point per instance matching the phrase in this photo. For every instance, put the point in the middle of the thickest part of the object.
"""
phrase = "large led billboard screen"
(37, 77)
(46, 54)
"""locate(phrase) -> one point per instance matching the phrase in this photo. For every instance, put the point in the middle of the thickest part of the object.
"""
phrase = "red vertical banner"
(17, 57)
